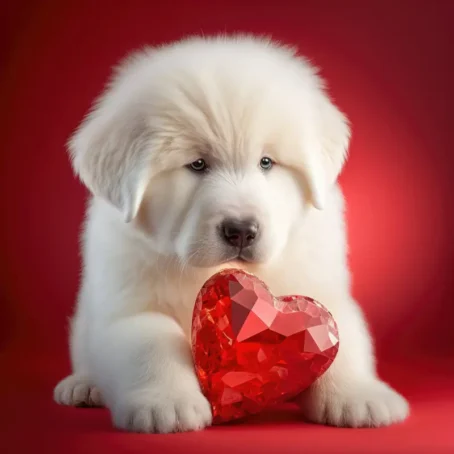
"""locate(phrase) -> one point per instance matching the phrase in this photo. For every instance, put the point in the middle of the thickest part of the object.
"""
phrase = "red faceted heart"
(252, 350)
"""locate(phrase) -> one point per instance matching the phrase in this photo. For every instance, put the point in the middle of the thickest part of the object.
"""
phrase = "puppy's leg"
(77, 389)
(350, 393)
(143, 366)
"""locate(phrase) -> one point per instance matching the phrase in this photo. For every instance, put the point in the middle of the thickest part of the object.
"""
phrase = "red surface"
(244, 342)
(389, 66)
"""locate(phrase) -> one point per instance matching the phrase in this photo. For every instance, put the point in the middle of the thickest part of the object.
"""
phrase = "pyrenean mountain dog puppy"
(203, 154)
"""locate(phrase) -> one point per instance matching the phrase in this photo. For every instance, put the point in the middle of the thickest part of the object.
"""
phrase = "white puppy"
(204, 154)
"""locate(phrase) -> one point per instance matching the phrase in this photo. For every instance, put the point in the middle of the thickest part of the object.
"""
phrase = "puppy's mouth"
(242, 256)
(236, 261)
(235, 257)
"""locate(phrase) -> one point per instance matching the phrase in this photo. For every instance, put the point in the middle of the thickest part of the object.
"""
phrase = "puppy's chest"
(177, 299)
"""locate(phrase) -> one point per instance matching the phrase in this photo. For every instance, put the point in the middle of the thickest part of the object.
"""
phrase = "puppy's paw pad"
(372, 404)
(77, 391)
(163, 413)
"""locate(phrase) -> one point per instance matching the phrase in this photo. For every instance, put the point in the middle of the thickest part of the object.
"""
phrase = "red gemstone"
(252, 350)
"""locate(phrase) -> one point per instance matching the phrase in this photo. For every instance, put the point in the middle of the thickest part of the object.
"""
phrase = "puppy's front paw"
(77, 391)
(159, 411)
(364, 404)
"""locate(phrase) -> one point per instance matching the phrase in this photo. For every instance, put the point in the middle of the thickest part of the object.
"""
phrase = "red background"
(389, 67)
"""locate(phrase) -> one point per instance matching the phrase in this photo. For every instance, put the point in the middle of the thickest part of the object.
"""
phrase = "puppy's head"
(215, 148)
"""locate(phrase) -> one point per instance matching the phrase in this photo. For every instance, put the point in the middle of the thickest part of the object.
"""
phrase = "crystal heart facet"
(252, 350)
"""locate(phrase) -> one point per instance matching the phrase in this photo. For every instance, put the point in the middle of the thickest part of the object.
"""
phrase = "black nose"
(239, 233)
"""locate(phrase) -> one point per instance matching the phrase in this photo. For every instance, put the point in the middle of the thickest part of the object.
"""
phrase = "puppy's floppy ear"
(111, 152)
(326, 148)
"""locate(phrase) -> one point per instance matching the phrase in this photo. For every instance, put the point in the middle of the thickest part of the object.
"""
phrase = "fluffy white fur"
(151, 238)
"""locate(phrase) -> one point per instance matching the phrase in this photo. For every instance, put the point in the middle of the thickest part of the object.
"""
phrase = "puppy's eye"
(266, 163)
(198, 166)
